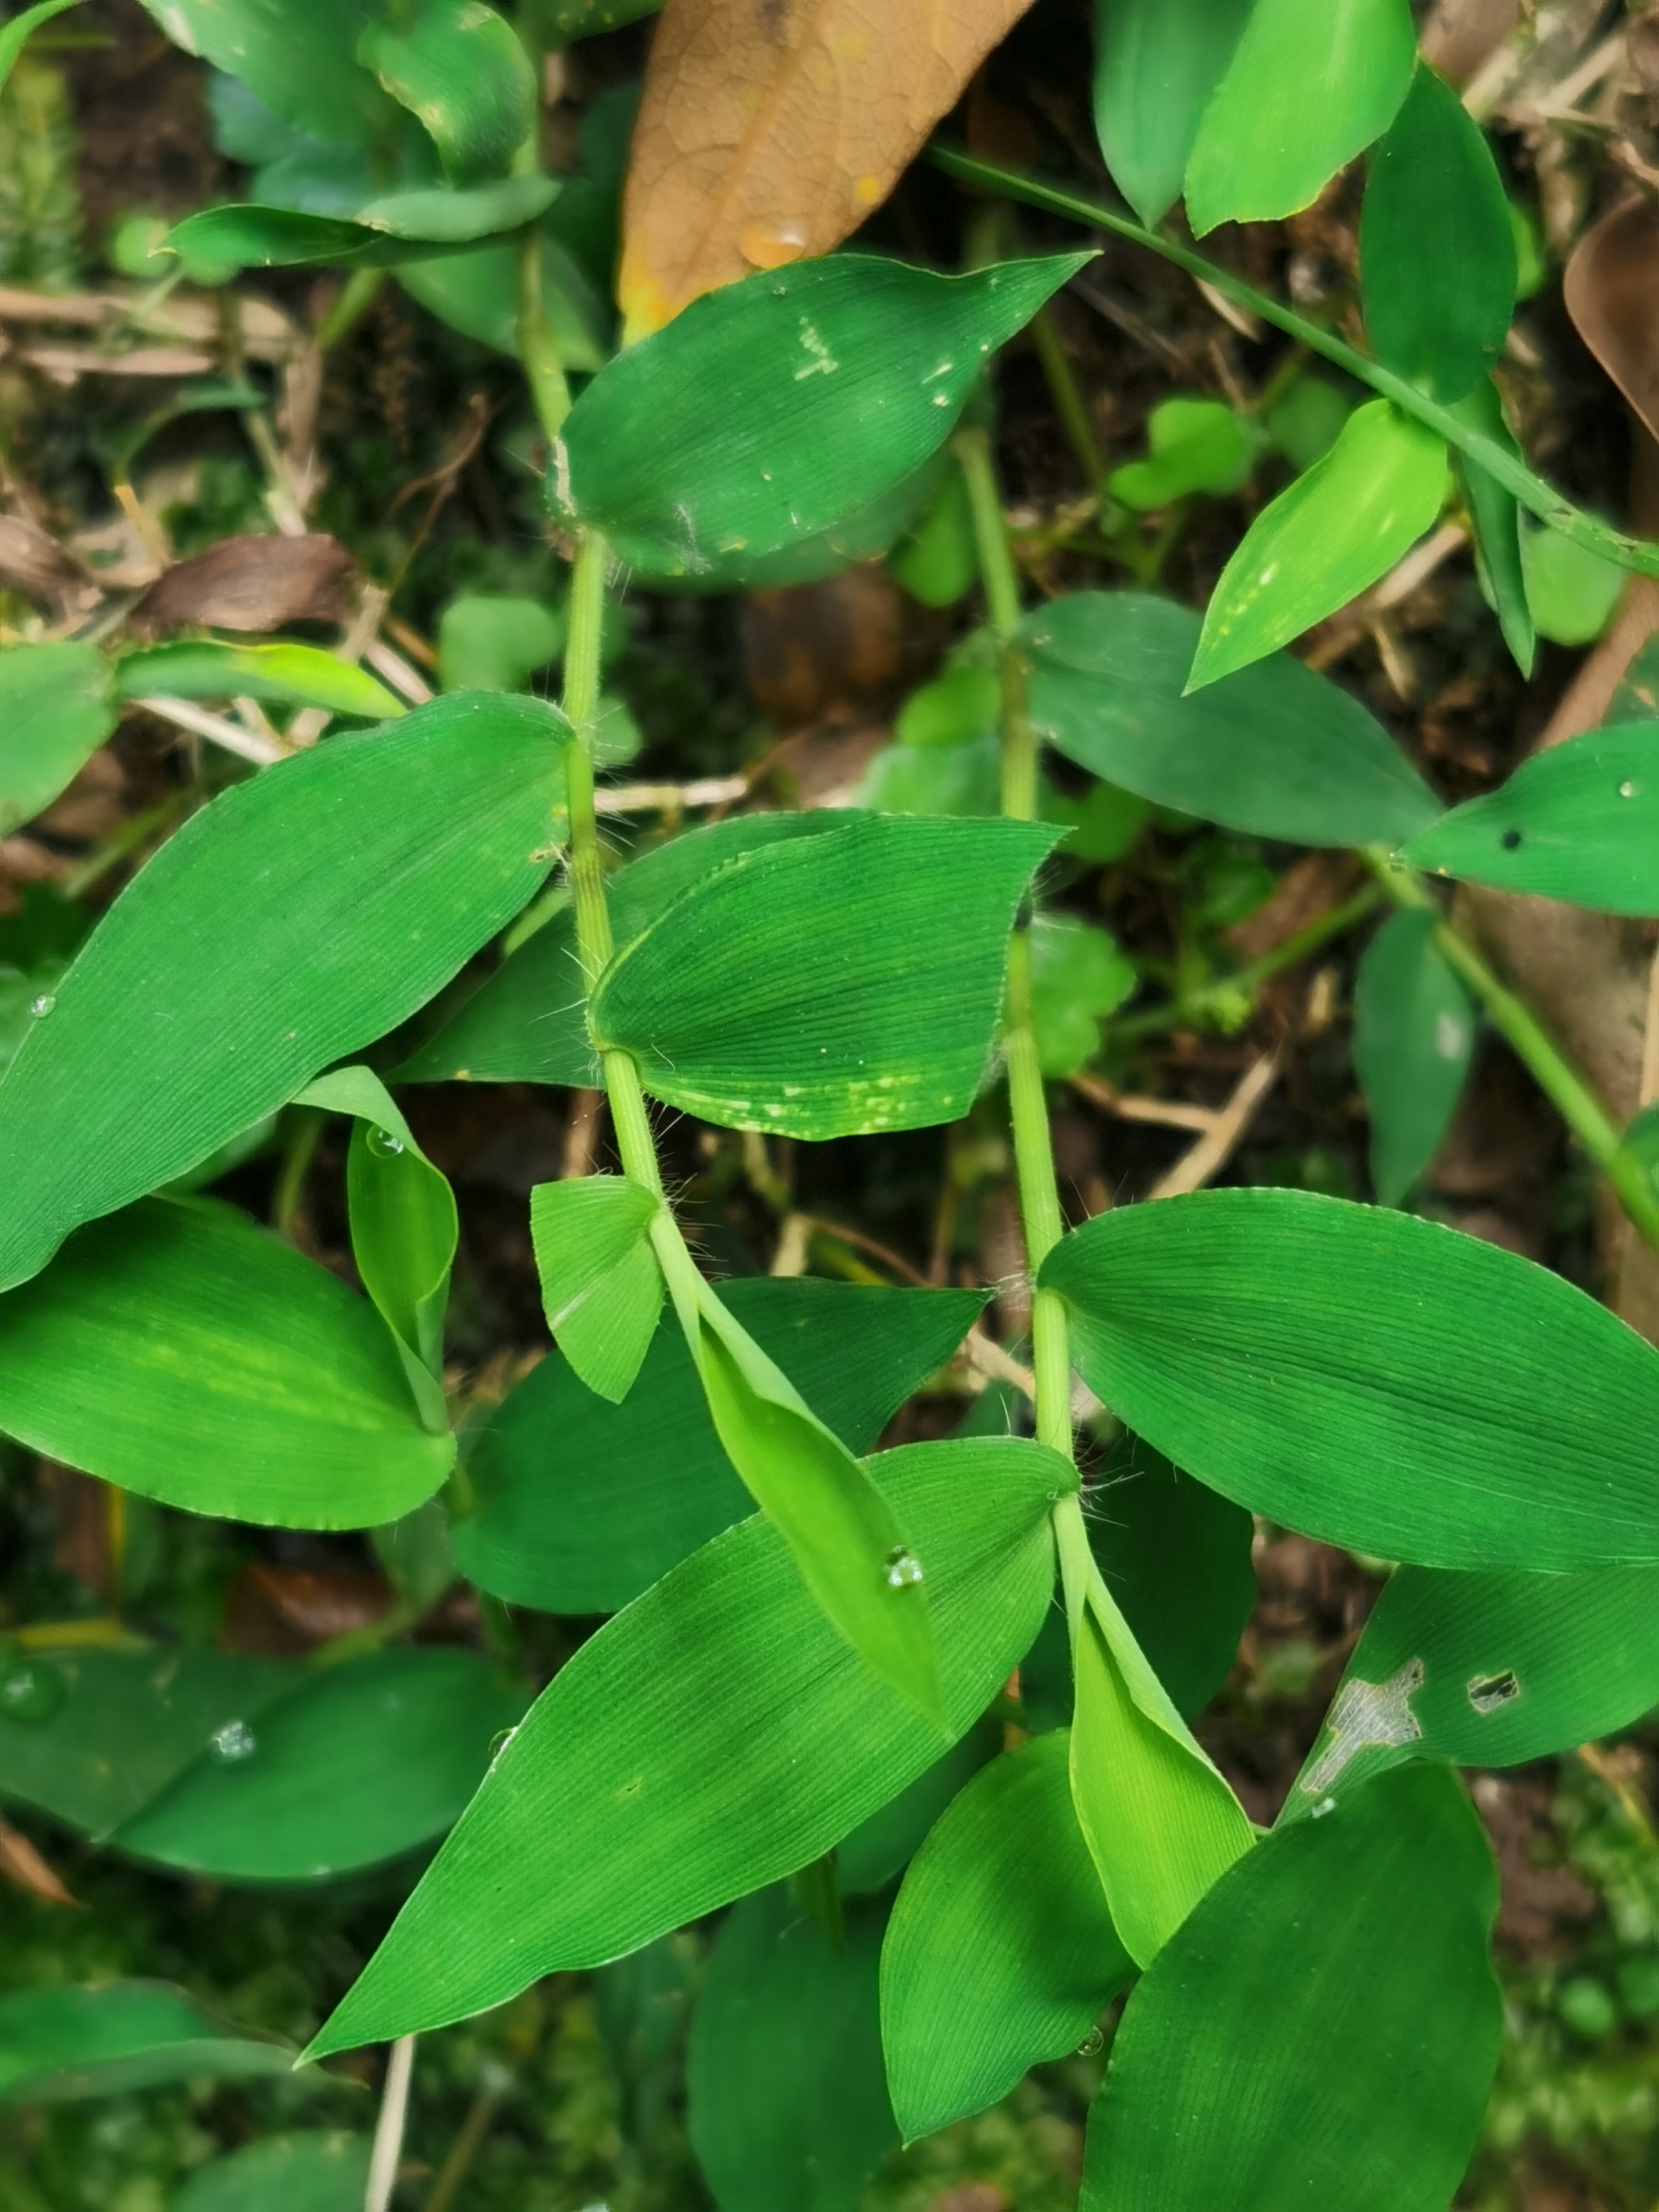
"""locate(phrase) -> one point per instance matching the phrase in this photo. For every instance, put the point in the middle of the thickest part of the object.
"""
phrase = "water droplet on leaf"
(903, 1568)
(383, 1142)
(31, 1691)
(43, 1005)
(1627, 790)
(1095, 2040)
(235, 1740)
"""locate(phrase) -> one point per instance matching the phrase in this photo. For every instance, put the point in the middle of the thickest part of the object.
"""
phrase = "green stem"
(1533, 493)
(357, 297)
(1215, 997)
(1068, 400)
(539, 350)
(1554, 1074)
(1028, 1107)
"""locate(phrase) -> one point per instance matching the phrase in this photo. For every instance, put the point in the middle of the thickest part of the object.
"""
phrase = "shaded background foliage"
(426, 447)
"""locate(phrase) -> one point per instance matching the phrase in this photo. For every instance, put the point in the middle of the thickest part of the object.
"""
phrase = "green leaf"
(1310, 84)
(254, 672)
(360, 1763)
(1496, 514)
(297, 57)
(1488, 1670)
(843, 1535)
(184, 1354)
(937, 560)
(1371, 1379)
(564, 20)
(459, 66)
(1078, 976)
(1438, 317)
(477, 292)
(1161, 1824)
(1000, 1952)
(309, 2171)
(1281, 2053)
(1578, 821)
(121, 1724)
(59, 2044)
(580, 1505)
(404, 1227)
(610, 1817)
(1273, 749)
(1636, 699)
(528, 1023)
(773, 410)
(1571, 591)
(318, 917)
(16, 34)
(1325, 539)
(55, 712)
(782, 992)
(1157, 65)
(963, 703)
(1195, 445)
(377, 235)
(786, 2092)
(487, 642)
(1413, 1036)
(602, 1288)
(964, 779)
(867, 1858)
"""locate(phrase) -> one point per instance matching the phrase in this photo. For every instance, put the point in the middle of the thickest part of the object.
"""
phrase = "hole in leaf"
(1510, 839)
(1488, 1692)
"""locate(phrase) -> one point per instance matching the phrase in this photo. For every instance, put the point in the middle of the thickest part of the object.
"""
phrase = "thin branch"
(1166, 1113)
(1216, 1147)
(185, 715)
(389, 2128)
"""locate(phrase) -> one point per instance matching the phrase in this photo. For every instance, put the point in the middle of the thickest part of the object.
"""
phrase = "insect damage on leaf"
(1367, 1716)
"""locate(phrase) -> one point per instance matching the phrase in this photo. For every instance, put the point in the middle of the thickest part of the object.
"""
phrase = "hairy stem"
(1034, 1158)
(1554, 1074)
(539, 350)
(1534, 494)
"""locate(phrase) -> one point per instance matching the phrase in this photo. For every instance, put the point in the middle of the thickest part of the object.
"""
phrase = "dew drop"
(383, 1142)
(31, 1691)
(235, 1740)
(903, 1568)
(1094, 2041)
(43, 1005)
(1627, 790)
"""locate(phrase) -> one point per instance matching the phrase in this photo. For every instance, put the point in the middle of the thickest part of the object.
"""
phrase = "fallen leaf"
(282, 1612)
(769, 129)
(250, 584)
(810, 648)
(23, 1866)
(34, 564)
(1611, 284)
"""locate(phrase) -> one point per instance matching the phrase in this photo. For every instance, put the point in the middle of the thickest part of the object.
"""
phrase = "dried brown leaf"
(1612, 292)
(770, 128)
(23, 1866)
(250, 584)
(284, 1611)
(32, 561)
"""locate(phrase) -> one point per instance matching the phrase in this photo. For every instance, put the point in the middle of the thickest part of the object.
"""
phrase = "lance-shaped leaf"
(610, 1817)
(55, 712)
(1371, 1379)
(578, 1507)
(459, 66)
(1310, 84)
(1325, 538)
(211, 671)
(297, 57)
(360, 1762)
(398, 228)
(123, 1723)
(1441, 318)
(602, 1288)
(844, 1536)
(775, 410)
(1414, 1035)
(785, 2094)
(1157, 65)
(16, 33)
(181, 1352)
(404, 1227)
(1272, 750)
(1279, 2053)
(1496, 513)
(476, 291)
(1578, 821)
(786, 992)
(59, 2044)
(1161, 1824)
(1488, 1670)
(1000, 1952)
(309, 2171)
(528, 1023)
(318, 916)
